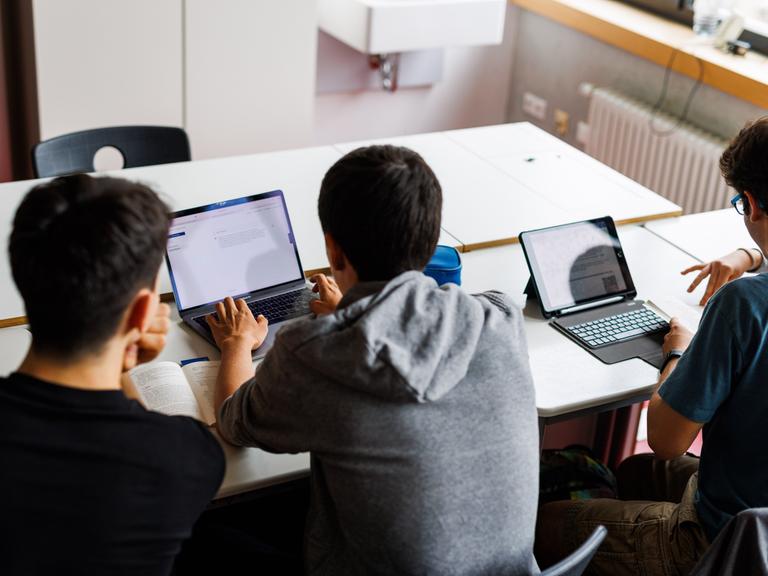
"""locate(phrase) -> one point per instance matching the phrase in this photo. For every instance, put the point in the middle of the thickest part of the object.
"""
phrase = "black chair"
(140, 146)
(741, 547)
(576, 563)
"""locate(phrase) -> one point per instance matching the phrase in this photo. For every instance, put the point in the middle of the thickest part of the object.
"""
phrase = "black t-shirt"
(93, 483)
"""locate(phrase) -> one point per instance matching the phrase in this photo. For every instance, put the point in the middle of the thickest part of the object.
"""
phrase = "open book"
(168, 388)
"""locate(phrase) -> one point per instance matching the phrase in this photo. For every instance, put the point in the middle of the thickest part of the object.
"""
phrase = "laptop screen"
(231, 248)
(576, 263)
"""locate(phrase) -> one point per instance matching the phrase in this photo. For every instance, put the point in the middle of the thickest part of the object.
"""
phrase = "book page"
(202, 381)
(688, 314)
(164, 388)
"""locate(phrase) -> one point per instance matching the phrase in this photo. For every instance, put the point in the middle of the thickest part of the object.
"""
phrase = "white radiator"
(681, 166)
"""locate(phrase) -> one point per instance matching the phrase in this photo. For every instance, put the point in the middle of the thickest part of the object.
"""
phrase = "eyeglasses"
(738, 203)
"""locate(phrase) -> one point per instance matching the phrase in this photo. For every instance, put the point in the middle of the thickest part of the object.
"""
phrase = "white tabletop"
(522, 178)
(705, 236)
(14, 343)
(568, 178)
(497, 182)
(567, 378)
(297, 173)
(481, 204)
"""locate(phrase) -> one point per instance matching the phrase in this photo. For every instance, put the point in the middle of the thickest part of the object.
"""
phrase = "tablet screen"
(576, 263)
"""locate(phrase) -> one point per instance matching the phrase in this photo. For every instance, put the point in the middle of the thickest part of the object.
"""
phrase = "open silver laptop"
(244, 248)
(581, 278)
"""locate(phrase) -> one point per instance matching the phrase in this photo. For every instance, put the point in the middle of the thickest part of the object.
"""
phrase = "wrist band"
(752, 259)
(674, 353)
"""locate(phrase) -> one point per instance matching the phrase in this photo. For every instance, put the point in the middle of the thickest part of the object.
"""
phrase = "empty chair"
(576, 563)
(740, 548)
(139, 145)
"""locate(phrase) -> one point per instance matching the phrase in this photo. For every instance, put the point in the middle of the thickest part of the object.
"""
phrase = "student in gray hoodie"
(415, 401)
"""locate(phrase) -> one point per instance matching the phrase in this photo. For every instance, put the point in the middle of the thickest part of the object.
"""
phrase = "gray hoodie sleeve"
(268, 411)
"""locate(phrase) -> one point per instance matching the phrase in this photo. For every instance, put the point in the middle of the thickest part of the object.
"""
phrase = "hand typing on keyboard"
(678, 337)
(235, 327)
(330, 294)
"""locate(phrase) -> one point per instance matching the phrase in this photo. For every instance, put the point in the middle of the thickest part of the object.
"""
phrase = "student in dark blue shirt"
(90, 481)
(715, 381)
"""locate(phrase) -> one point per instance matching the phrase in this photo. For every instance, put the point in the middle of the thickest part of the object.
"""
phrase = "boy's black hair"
(80, 250)
(743, 164)
(382, 205)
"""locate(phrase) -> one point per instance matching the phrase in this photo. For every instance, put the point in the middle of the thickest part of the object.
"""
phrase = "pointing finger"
(705, 271)
(692, 269)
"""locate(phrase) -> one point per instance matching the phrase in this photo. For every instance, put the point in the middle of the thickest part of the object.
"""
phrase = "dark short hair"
(80, 250)
(382, 205)
(744, 164)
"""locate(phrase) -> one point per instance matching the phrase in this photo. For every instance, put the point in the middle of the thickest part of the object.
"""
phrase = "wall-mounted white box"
(391, 26)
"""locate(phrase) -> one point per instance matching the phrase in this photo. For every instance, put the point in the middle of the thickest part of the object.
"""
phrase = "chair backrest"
(576, 563)
(139, 145)
(741, 547)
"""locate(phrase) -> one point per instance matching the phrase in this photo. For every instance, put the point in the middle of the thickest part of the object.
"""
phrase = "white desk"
(188, 184)
(705, 236)
(14, 343)
(490, 193)
(481, 204)
(185, 185)
(568, 178)
(522, 178)
(567, 378)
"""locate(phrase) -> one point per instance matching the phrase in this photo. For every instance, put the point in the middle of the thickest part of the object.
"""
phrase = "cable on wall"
(663, 96)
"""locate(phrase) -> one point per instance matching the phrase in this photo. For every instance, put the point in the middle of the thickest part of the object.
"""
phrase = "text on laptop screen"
(230, 249)
(575, 263)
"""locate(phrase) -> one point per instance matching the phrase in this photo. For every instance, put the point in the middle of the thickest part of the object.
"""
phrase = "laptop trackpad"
(647, 348)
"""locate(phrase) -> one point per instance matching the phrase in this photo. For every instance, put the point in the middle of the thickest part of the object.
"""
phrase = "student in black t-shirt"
(90, 481)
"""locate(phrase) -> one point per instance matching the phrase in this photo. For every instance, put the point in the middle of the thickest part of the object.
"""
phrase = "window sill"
(655, 38)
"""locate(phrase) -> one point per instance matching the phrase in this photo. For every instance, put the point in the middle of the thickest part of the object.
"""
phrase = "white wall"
(107, 62)
(551, 60)
(473, 92)
(5, 144)
(250, 76)
(239, 75)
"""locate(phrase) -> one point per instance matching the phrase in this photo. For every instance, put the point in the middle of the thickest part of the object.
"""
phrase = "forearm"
(670, 434)
(236, 368)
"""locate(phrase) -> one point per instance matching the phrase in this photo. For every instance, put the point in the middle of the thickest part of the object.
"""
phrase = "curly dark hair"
(744, 164)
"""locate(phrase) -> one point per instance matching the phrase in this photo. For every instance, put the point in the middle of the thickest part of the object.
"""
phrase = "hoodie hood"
(406, 339)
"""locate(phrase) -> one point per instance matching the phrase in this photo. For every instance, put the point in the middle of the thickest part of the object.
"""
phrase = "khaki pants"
(653, 530)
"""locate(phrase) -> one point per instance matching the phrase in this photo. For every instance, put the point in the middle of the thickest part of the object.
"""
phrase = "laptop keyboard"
(277, 308)
(620, 327)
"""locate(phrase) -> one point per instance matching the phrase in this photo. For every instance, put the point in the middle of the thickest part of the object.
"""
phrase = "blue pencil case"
(445, 266)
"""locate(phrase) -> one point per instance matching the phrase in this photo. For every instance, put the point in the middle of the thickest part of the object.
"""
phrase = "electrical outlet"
(561, 122)
(534, 106)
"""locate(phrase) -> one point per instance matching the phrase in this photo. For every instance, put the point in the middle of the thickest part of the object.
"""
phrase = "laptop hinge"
(598, 303)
